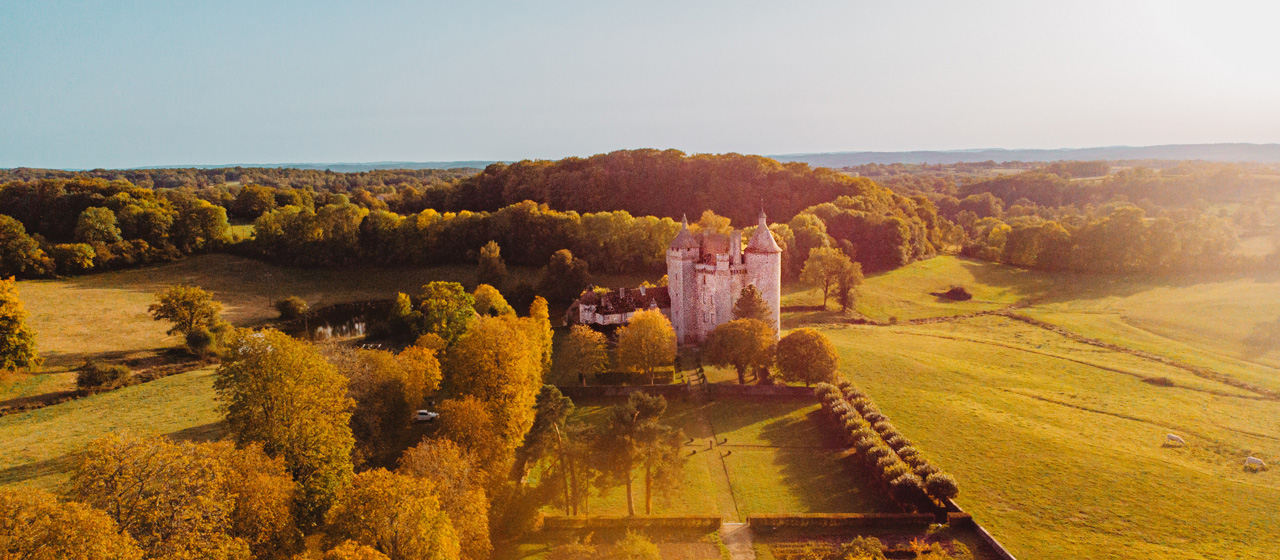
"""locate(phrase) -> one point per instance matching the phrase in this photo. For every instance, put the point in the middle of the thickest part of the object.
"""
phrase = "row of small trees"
(902, 469)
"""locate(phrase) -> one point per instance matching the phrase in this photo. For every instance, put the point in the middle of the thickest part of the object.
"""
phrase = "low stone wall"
(959, 518)
(879, 521)
(606, 391)
(562, 522)
(787, 391)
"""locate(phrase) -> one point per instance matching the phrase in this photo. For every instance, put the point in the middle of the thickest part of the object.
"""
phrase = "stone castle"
(705, 275)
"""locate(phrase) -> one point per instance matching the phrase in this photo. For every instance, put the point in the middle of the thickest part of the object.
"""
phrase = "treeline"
(1181, 185)
(282, 177)
(71, 226)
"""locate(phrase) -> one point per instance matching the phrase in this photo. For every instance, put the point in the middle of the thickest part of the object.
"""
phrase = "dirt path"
(712, 453)
(737, 538)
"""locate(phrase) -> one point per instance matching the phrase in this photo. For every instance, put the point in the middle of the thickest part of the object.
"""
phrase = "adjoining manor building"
(705, 275)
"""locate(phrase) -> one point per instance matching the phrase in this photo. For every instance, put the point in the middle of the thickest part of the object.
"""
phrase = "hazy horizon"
(121, 86)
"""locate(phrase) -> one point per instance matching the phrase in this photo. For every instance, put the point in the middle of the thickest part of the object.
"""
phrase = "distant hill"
(344, 167)
(1268, 153)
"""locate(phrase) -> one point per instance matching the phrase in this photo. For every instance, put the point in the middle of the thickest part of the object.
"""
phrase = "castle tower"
(681, 281)
(764, 268)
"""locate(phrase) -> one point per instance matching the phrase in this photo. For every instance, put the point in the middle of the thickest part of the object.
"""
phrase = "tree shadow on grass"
(820, 478)
(37, 469)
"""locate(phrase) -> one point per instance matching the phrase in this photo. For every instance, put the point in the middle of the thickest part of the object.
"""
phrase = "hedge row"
(905, 472)
(624, 522)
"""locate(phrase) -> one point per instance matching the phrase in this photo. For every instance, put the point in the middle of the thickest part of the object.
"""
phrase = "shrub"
(874, 417)
(906, 488)
(907, 451)
(291, 307)
(883, 427)
(635, 546)
(201, 341)
(887, 461)
(863, 405)
(865, 445)
(896, 441)
(924, 469)
(896, 470)
(863, 434)
(942, 486)
(875, 453)
(957, 293)
(854, 424)
(96, 375)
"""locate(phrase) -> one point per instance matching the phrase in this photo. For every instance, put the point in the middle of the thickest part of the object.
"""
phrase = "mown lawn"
(39, 447)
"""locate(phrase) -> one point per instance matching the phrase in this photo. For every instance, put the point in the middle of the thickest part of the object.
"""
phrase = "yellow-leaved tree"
(17, 341)
(387, 388)
(36, 526)
(280, 392)
(540, 329)
(647, 343)
(741, 343)
(583, 352)
(489, 301)
(398, 515)
(459, 482)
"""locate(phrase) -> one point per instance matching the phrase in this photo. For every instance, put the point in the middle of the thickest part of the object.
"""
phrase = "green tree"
(34, 525)
(564, 277)
(398, 515)
(72, 258)
(846, 284)
(188, 307)
(807, 355)
(492, 270)
(824, 268)
(387, 389)
(741, 343)
(447, 310)
(627, 437)
(279, 391)
(583, 352)
(646, 343)
(291, 307)
(489, 301)
(751, 305)
(97, 225)
(551, 413)
(20, 255)
(17, 341)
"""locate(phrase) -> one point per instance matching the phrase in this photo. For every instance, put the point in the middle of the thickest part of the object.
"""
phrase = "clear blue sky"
(124, 84)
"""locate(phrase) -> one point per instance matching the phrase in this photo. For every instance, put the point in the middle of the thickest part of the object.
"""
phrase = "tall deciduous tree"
(807, 355)
(489, 302)
(20, 255)
(387, 388)
(35, 526)
(583, 352)
(17, 341)
(848, 281)
(824, 268)
(647, 343)
(539, 324)
(459, 483)
(398, 515)
(188, 307)
(447, 310)
(280, 392)
(741, 343)
(492, 269)
(564, 277)
(97, 225)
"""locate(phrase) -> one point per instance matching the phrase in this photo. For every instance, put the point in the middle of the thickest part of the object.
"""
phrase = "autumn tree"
(398, 515)
(492, 269)
(20, 255)
(741, 343)
(469, 423)
(848, 281)
(447, 310)
(459, 483)
(751, 305)
(402, 318)
(539, 326)
(352, 550)
(499, 363)
(564, 277)
(34, 525)
(194, 314)
(489, 301)
(280, 392)
(387, 389)
(17, 341)
(647, 343)
(824, 268)
(97, 225)
(186, 500)
(807, 355)
(583, 352)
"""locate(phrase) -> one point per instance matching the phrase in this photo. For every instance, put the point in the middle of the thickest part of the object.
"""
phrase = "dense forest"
(618, 211)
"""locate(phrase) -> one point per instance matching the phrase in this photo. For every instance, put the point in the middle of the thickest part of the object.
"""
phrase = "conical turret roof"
(761, 240)
(685, 239)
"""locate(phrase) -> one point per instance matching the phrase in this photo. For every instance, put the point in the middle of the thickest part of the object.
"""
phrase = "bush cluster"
(97, 375)
(905, 472)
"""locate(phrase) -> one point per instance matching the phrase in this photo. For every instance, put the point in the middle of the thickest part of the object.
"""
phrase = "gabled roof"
(761, 240)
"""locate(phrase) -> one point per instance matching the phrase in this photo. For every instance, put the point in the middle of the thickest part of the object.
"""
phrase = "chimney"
(735, 247)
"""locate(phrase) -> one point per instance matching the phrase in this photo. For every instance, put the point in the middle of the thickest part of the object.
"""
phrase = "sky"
(131, 84)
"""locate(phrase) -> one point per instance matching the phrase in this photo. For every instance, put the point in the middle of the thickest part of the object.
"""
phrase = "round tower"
(764, 269)
(681, 256)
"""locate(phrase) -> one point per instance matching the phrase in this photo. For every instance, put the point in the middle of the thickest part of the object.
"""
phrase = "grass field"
(769, 457)
(40, 446)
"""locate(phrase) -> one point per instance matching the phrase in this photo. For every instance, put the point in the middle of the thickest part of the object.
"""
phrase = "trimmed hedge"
(912, 521)
(902, 469)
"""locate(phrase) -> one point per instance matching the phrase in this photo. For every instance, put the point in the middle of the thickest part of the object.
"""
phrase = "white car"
(426, 416)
